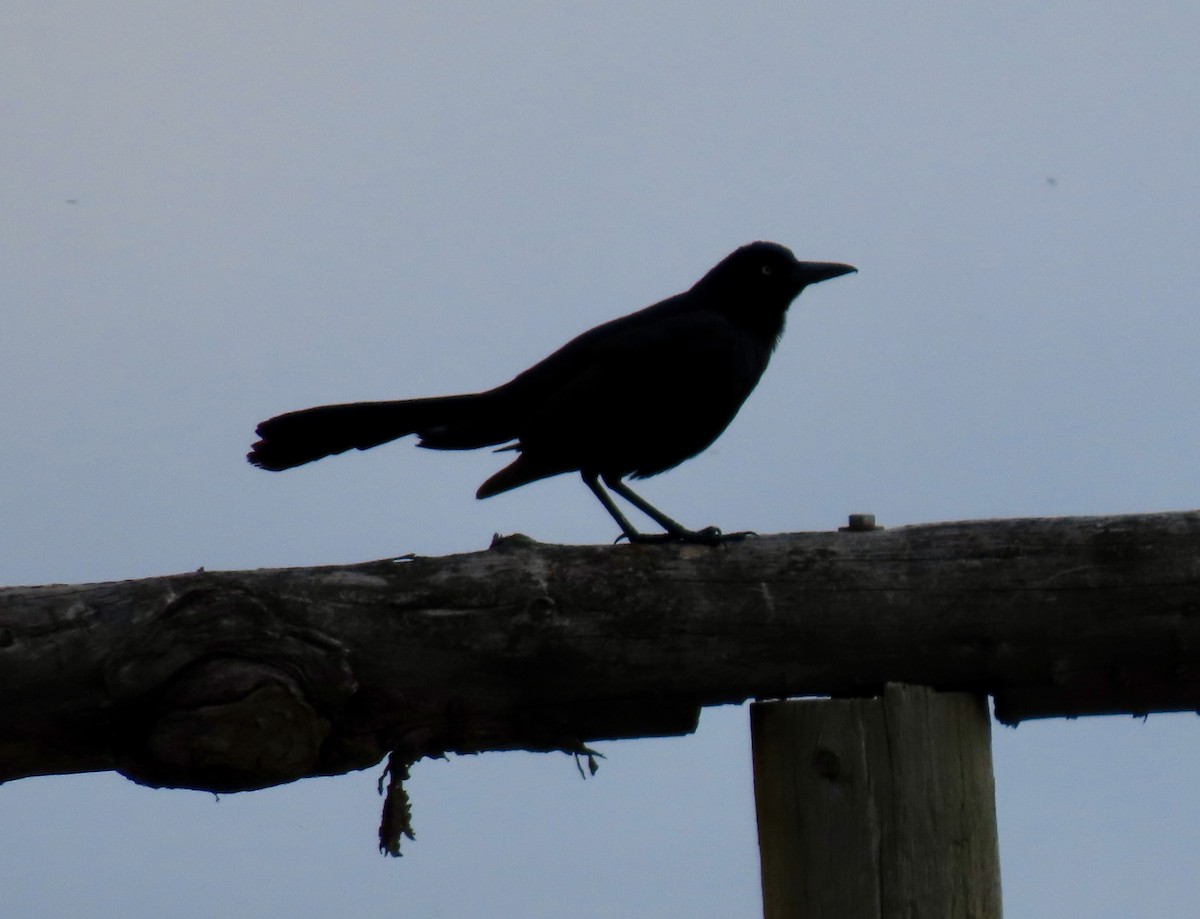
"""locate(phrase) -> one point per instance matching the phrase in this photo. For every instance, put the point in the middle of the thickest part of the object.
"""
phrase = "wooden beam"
(236, 680)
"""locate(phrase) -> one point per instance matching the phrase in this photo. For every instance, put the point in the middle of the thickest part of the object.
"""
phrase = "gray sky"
(283, 204)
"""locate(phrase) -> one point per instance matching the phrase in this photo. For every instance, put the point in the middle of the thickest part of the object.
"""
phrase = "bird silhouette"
(632, 397)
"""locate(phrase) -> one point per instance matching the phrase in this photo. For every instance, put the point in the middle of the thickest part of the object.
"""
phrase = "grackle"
(632, 397)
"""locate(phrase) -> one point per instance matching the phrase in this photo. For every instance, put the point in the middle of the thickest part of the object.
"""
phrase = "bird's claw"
(712, 536)
(709, 536)
(738, 536)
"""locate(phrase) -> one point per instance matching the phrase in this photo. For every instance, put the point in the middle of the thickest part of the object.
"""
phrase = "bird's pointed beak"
(814, 272)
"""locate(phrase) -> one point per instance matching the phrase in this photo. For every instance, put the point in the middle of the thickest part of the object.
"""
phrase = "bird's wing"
(646, 396)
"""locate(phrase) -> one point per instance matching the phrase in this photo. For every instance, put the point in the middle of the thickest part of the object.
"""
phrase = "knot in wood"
(827, 763)
(217, 692)
(228, 725)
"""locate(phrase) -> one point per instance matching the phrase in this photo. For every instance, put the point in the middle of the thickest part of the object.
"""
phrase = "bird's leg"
(675, 531)
(593, 482)
(673, 527)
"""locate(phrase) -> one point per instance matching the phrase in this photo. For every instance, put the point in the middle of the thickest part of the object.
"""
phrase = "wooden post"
(881, 808)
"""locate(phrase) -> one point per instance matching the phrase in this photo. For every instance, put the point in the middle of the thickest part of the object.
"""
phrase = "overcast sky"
(214, 212)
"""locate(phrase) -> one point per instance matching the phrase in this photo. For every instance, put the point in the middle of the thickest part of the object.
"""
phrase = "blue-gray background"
(216, 211)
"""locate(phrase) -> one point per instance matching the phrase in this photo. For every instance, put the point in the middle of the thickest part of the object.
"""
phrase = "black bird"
(632, 397)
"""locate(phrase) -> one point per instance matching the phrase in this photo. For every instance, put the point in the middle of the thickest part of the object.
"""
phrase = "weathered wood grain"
(236, 680)
(880, 807)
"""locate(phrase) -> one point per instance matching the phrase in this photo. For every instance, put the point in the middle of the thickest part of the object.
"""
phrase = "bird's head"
(760, 280)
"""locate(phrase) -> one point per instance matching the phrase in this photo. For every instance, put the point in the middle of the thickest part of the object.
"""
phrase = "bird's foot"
(738, 536)
(709, 536)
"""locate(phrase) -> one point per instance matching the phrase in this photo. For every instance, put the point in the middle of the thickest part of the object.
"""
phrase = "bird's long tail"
(444, 423)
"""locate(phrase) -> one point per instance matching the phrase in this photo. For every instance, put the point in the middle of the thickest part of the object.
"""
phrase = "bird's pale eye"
(766, 269)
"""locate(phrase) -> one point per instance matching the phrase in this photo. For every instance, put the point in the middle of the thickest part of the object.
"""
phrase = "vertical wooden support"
(877, 808)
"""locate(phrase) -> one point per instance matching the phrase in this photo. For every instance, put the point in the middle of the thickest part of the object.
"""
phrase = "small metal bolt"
(860, 523)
